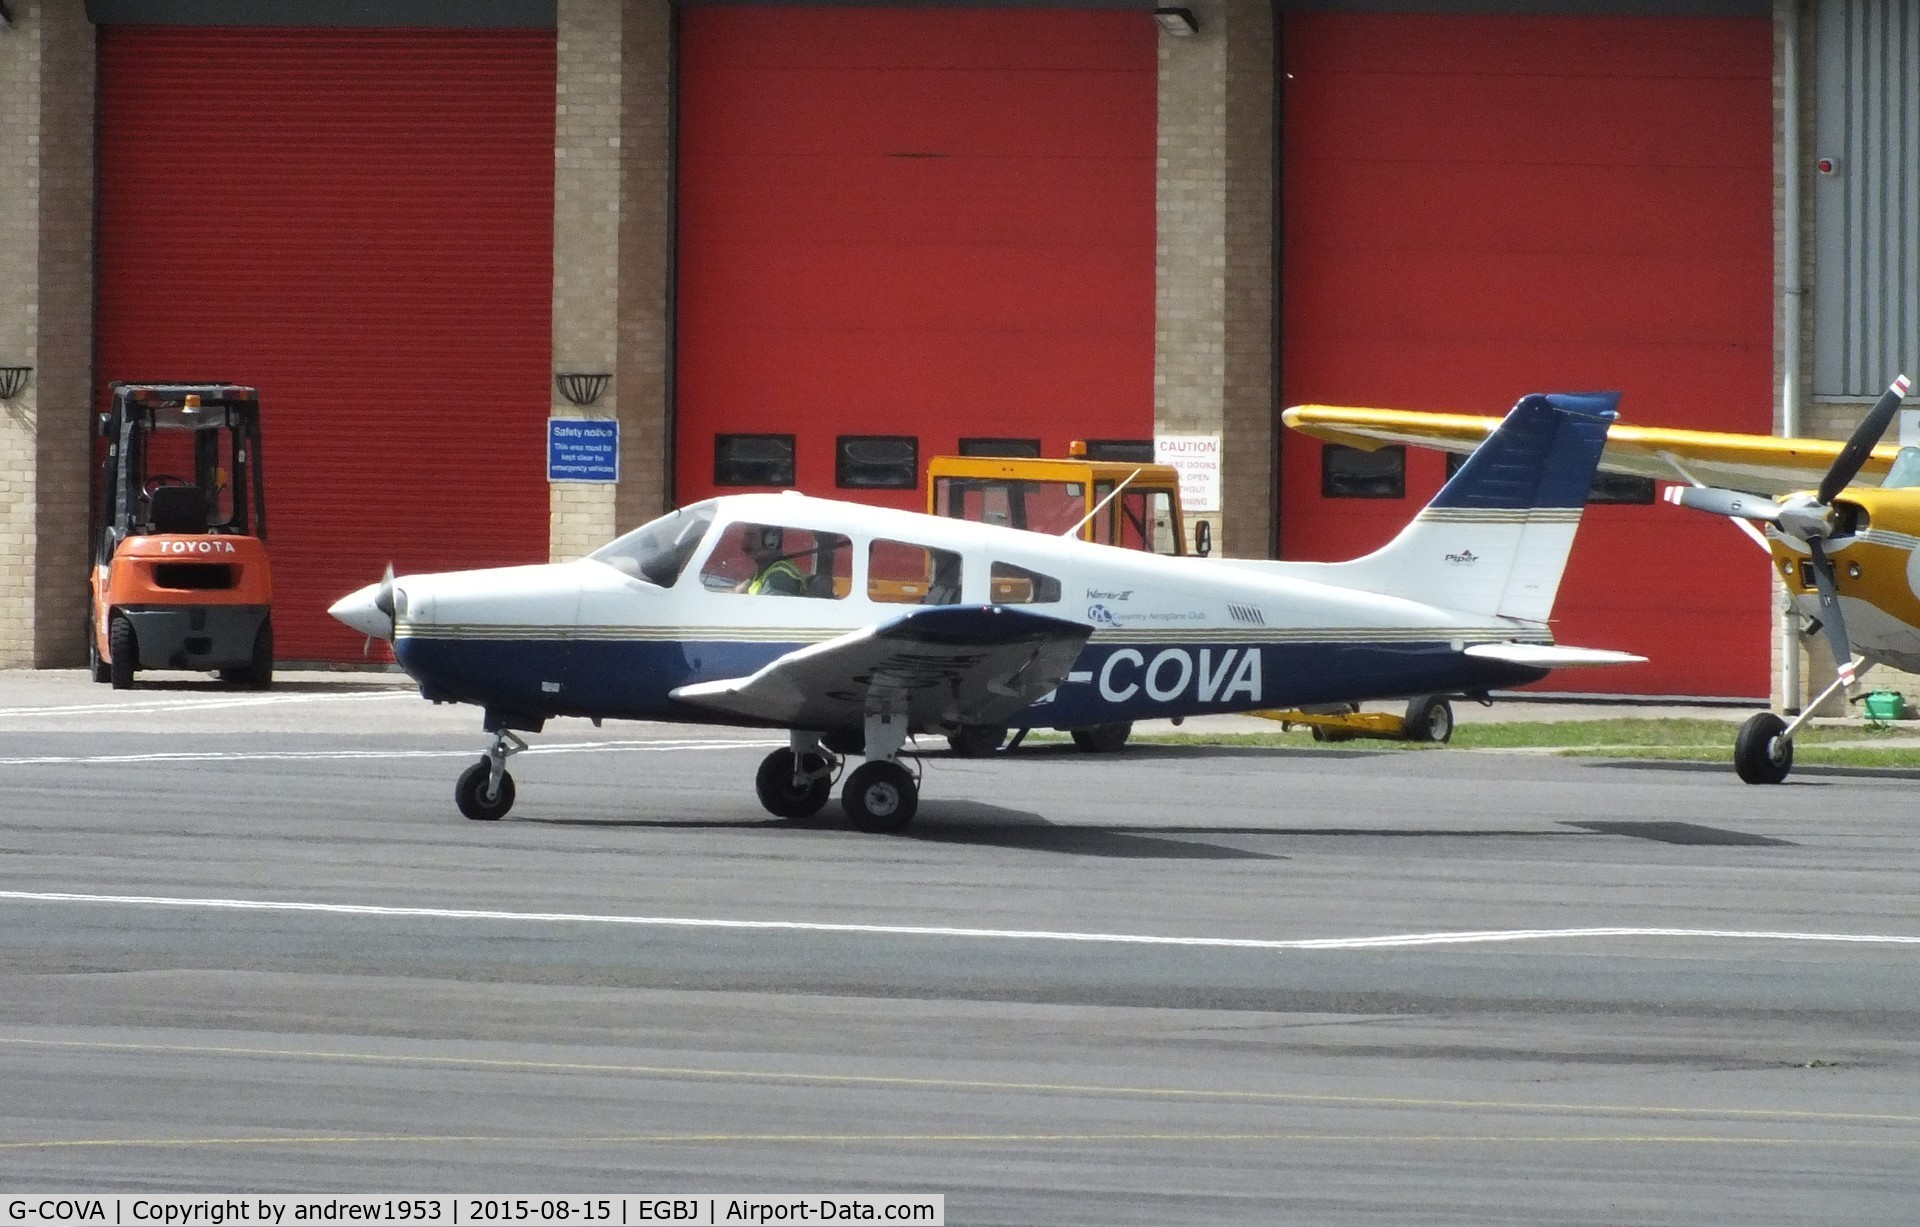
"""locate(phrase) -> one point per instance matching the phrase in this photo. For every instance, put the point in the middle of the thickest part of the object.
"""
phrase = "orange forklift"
(180, 572)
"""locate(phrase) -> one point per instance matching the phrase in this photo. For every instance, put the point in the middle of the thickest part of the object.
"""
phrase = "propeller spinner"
(1809, 518)
(369, 610)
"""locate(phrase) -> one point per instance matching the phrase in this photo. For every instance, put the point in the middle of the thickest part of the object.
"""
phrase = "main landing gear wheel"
(123, 653)
(477, 799)
(785, 798)
(880, 797)
(976, 740)
(1429, 718)
(1103, 738)
(1760, 754)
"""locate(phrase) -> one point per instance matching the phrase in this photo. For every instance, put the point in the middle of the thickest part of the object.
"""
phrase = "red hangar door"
(1478, 207)
(901, 228)
(360, 222)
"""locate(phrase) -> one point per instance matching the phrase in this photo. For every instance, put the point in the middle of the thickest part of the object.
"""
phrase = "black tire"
(880, 797)
(123, 654)
(1322, 733)
(259, 674)
(774, 783)
(96, 663)
(469, 793)
(1104, 738)
(1760, 754)
(1429, 718)
(976, 740)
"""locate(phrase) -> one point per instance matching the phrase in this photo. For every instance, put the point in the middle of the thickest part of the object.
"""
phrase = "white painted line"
(1390, 942)
(267, 756)
(206, 703)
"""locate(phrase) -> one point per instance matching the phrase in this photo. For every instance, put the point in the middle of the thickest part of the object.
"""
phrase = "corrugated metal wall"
(936, 222)
(361, 223)
(1482, 206)
(1867, 210)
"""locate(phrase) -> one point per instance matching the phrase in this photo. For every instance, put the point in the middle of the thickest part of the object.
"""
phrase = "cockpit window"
(659, 550)
(1905, 473)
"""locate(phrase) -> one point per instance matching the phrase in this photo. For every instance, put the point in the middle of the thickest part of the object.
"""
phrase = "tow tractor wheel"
(1760, 754)
(976, 740)
(123, 653)
(470, 793)
(1429, 718)
(1104, 738)
(781, 796)
(880, 797)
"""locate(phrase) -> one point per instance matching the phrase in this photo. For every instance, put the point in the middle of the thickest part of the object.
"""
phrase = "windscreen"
(660, 549)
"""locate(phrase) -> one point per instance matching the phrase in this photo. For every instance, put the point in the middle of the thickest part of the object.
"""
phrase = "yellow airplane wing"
(1758, 464)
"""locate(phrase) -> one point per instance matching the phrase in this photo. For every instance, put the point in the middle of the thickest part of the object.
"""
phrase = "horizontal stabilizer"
(938, 667)
(1551, 656)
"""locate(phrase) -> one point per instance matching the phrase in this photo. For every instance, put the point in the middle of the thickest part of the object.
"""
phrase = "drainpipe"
(1791, 294)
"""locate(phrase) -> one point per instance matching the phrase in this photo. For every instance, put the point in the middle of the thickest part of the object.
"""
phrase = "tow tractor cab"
(1054, 496)
(180, 575)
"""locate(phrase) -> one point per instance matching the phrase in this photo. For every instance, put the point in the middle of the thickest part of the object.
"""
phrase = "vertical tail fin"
(1495, 539)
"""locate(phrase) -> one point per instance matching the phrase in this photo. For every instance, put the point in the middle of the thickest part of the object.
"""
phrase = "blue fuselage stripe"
(632, 679)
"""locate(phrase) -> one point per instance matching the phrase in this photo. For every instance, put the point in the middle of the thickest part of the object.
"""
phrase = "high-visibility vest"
(778, 567)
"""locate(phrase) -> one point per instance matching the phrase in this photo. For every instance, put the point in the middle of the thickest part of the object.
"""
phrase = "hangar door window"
(1018, 449)
(877, 462)
(1350, 472)
(753, 460)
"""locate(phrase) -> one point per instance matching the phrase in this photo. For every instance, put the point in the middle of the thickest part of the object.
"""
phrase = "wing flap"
(937, 667)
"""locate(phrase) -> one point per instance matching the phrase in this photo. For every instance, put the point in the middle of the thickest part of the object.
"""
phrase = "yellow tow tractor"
(1135, 506)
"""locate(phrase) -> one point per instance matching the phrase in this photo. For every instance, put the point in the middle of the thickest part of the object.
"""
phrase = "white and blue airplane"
(855, 627)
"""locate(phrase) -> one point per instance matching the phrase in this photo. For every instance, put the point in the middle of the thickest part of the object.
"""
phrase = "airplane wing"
(1757, 464)
(940, 666)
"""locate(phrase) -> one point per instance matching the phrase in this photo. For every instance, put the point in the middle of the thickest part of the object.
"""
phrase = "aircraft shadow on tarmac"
(1147, 749)
(976, 823)
(1690, 834)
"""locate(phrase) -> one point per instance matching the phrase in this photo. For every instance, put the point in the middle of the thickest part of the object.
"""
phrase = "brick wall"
(46, 310)
(1214, 339)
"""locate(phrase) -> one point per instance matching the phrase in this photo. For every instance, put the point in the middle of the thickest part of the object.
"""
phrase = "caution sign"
(1197, 459)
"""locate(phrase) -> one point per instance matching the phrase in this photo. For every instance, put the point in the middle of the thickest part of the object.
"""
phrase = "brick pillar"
(586, 279)
(610, 251)
(646, 262)
(46, 322)
(1216, 333)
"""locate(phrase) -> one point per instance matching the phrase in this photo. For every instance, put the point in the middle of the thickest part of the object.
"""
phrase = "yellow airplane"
(1847, 554)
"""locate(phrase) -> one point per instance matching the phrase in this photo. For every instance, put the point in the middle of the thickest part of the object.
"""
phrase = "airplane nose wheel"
(793, 786)
(484, 791)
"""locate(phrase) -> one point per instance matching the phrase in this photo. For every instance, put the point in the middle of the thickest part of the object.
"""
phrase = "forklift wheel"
(97, 666)
(123, 653)
(260, 673)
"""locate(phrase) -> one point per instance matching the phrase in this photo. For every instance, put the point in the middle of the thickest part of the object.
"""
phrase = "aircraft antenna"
(1075, 530)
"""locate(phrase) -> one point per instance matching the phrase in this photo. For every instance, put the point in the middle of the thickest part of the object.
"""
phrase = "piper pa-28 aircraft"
(1846, 553)
(892, 623)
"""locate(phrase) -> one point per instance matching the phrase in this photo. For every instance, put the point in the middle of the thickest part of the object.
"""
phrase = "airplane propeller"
(383, 601)
(1810, 517)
